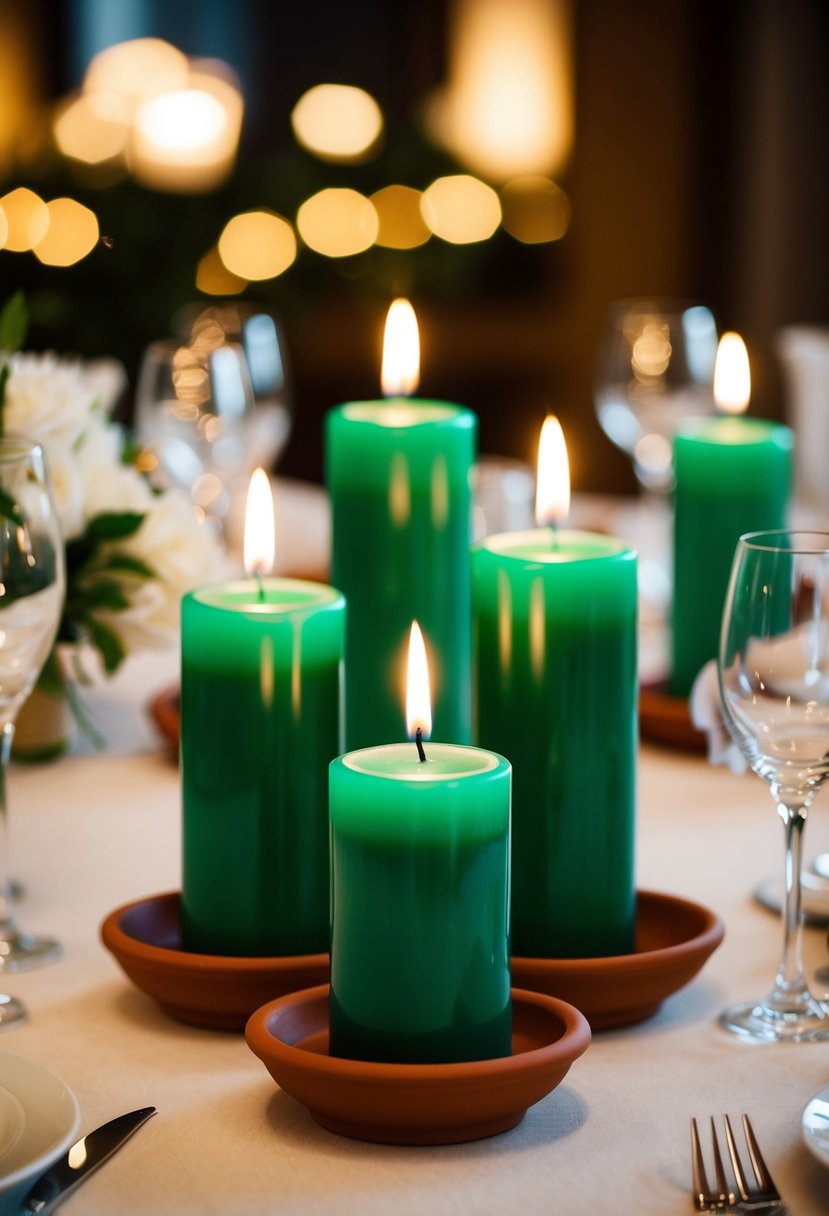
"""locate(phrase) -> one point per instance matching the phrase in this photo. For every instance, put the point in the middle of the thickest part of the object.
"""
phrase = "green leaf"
(106, 640)
(9, 509)
(113, 525)
(14, 323)
(129, 565)
(104, 593)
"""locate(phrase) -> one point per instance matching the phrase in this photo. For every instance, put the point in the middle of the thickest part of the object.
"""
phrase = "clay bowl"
(674, 937)
(165, 710)
(667, 720)
(216, 991)
(416, 1103)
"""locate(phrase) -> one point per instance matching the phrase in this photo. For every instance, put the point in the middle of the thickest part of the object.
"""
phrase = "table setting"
(468, 941)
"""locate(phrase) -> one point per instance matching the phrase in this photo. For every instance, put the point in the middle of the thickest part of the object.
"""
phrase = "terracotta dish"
(201, 989)
(667, 720)
(674, 937)
(416, 1103)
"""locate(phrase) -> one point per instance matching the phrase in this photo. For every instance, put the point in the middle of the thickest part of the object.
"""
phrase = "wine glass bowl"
(193, 404)
(32, 584)
(774, 684)
(655, 367)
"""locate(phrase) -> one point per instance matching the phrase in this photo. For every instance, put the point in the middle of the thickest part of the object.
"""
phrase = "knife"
(83, 1158)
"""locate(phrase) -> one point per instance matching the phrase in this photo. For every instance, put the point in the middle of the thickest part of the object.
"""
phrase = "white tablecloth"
(93, 831)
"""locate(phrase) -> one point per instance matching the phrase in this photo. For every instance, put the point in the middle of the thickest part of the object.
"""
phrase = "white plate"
(51, 1120)
(816, 1126)
(12, 1122)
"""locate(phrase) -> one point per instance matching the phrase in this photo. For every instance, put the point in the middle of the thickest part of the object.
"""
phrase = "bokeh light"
(27, 218)
(257, 245)
(535, 210)
(93, 127)
(137, 70)
(461, 209)
(401, 225)
(337, 122)
(214, 278)
(72, 233)
(4, 228)
(338, 222)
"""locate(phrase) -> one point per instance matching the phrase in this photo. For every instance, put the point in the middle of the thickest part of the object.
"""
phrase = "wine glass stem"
(790, 989)
(6, 917)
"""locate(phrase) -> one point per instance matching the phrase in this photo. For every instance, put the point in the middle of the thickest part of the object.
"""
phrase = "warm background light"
(552, 487)
(259, 543)
(337, 122)
(509, 105)
(732, 376)
(214, 278)
(338, 222)
(418, 698)
(400, 372)
(92, 128)
(186, 140)
(257, 245)
(27, 218)
(461, 209)
(400, 219)
(535, 210)
(4, 228)
(72, 233)
(137, 70)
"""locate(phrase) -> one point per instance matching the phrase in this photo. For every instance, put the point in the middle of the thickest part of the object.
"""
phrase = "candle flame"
(259, 525)
(732, 376)
(418, 700)
(552, 486)
(400, 373)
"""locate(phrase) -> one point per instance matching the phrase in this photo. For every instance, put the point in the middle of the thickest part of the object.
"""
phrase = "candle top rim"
(745, 429)
(242, 595)
(402, 413)
(481, 761)
(551, 546)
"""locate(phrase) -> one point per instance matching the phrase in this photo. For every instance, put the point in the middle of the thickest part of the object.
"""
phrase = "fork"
(760, 1197)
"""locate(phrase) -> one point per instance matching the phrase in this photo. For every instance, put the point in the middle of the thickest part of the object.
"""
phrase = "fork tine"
(764, 1178)
(742, 1184)
(724, 1192)
(700, 1182)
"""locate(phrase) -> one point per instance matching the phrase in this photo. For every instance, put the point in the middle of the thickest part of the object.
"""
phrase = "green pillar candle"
(732, 476)
(420, 904)
(554, 646)
(260, 722)
(398, 473)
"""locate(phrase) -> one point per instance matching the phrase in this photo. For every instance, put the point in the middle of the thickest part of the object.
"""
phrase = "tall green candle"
(554, 654)
(260, 723)
(420, 904)
(732, 476)
(398, 473)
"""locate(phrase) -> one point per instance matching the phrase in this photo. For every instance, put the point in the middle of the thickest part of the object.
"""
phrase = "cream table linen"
(93, 831)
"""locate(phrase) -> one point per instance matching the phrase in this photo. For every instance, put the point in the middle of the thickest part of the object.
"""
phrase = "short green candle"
(398, 473)
(260, 723)
(420, 904)
(732, 476)
(554, 646)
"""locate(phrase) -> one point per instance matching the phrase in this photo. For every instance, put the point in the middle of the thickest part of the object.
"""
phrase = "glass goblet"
(193, 405)
(774, 683)
(31, 598)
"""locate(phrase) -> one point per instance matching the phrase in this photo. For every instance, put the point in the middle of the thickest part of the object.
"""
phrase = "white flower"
(109, 484)
(182, 553)
(48, 399)
(706, 714)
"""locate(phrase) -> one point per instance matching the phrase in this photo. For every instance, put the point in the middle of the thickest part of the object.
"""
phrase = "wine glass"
(193, 403)
(774, 683)
(31, 597)
(258, 332)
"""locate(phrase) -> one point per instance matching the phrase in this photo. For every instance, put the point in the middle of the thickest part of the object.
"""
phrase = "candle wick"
(554, 537)
(419, 744)
(258, 576)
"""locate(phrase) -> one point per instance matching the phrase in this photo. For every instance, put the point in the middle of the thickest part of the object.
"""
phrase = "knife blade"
(83, 1158)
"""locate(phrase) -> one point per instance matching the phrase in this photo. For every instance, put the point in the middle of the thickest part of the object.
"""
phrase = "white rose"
(48, 399)
(183, 554)
(68, 488)
(109, 485)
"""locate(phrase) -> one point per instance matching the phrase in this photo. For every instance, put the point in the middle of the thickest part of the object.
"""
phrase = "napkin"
(706, 714)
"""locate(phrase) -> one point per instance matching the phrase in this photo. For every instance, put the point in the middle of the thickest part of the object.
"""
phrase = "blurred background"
(512, 166)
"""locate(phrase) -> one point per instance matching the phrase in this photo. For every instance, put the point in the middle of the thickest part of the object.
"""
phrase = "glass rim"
(754, 540)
